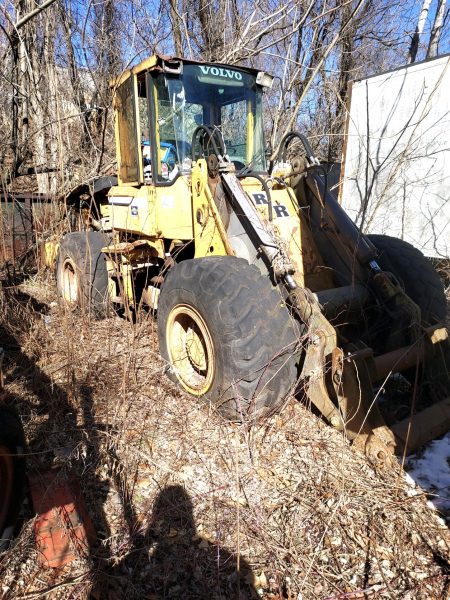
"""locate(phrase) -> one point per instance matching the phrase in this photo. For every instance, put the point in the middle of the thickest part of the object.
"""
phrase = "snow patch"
(430, 468)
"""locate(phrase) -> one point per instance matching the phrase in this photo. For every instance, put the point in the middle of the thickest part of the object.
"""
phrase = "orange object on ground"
(63, 528)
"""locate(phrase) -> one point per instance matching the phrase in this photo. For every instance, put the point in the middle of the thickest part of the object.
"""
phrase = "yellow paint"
(138, 128)
(116, 133)
(114, 83)
(160, 212)
(208, 241)
(185, 210)
(49, 253)
(156, 131)
(174, 210)
(218, 220)
(250, 132)
(127, 281)
(296, 234)
(146, 65)
(132, 209)
(191, 349)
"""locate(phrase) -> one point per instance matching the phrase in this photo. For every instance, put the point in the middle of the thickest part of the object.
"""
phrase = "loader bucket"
(434, 420)
(343, 391)
(429, 424)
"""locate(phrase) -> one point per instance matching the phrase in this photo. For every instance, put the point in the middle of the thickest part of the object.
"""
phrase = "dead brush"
(173, 488)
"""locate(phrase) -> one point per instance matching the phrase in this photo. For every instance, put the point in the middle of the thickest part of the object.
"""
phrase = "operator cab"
(160, 103)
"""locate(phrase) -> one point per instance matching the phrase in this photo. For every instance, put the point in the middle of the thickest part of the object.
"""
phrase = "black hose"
(243, 173)
(213, 135)
(288, 139)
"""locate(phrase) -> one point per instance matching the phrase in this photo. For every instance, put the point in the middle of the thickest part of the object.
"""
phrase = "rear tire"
(424, 286)
(81, 273)
(12, 472)
(418, 276)
(227, 336)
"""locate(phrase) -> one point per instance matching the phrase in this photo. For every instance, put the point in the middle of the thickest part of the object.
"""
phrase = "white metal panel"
(397, 159)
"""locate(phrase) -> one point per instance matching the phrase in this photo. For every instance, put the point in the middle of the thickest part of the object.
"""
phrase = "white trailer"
(396, 160)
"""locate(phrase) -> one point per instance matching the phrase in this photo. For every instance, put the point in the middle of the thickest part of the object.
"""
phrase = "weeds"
(185, 504)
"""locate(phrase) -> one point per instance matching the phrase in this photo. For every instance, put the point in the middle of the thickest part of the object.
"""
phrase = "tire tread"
(253, 323)
(422, 282)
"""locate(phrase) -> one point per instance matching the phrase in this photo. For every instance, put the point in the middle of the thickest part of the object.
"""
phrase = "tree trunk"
(346, 66)
(77, 87)
(213, 27)
(418, 32)
(55, 151)
(437, 29)
(38, 104)
(175, 19)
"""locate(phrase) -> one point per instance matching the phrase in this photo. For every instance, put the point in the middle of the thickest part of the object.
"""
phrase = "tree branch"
(315, 72)
(24, 20)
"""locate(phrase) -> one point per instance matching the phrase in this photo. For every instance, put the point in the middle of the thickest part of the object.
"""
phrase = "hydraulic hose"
(288, 139)
(244, 173)
(213, 135)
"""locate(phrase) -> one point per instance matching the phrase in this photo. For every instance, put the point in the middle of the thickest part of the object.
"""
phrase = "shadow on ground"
(169, 559)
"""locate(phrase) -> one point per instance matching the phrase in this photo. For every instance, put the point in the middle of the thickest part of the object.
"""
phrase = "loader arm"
(412, 343)
(339, 377)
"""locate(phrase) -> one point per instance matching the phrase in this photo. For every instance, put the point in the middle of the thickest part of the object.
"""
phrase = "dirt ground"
(187, 505)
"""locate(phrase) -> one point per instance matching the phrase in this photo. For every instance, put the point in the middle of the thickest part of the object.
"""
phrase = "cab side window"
(145, 129)
(127, 132)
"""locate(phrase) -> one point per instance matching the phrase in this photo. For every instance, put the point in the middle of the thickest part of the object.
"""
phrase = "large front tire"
(227, 336)
(81, 273)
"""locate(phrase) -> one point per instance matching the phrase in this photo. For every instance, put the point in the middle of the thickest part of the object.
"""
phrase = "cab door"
(128, 132)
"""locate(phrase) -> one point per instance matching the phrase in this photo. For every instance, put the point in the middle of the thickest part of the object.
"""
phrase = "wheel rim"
(6, 483)
(69, 282)
(191, 349)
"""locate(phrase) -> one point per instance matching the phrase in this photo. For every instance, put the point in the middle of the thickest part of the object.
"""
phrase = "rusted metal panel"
(21, 217)
(427, 425)
(16, 229)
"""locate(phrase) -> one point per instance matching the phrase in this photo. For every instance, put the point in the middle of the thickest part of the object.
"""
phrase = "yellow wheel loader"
(262, 284)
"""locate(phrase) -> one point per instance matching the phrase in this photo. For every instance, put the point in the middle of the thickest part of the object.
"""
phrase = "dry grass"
(174, 491)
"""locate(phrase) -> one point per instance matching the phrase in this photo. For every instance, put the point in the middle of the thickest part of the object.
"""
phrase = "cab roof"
(171, 64)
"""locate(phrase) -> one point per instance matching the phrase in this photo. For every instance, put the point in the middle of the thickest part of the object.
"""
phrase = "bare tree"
(414, 47)
(436, 30)
(176, 25)
(58, 57)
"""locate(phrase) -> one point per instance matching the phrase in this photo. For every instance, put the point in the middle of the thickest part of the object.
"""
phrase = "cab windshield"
(210, 95)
